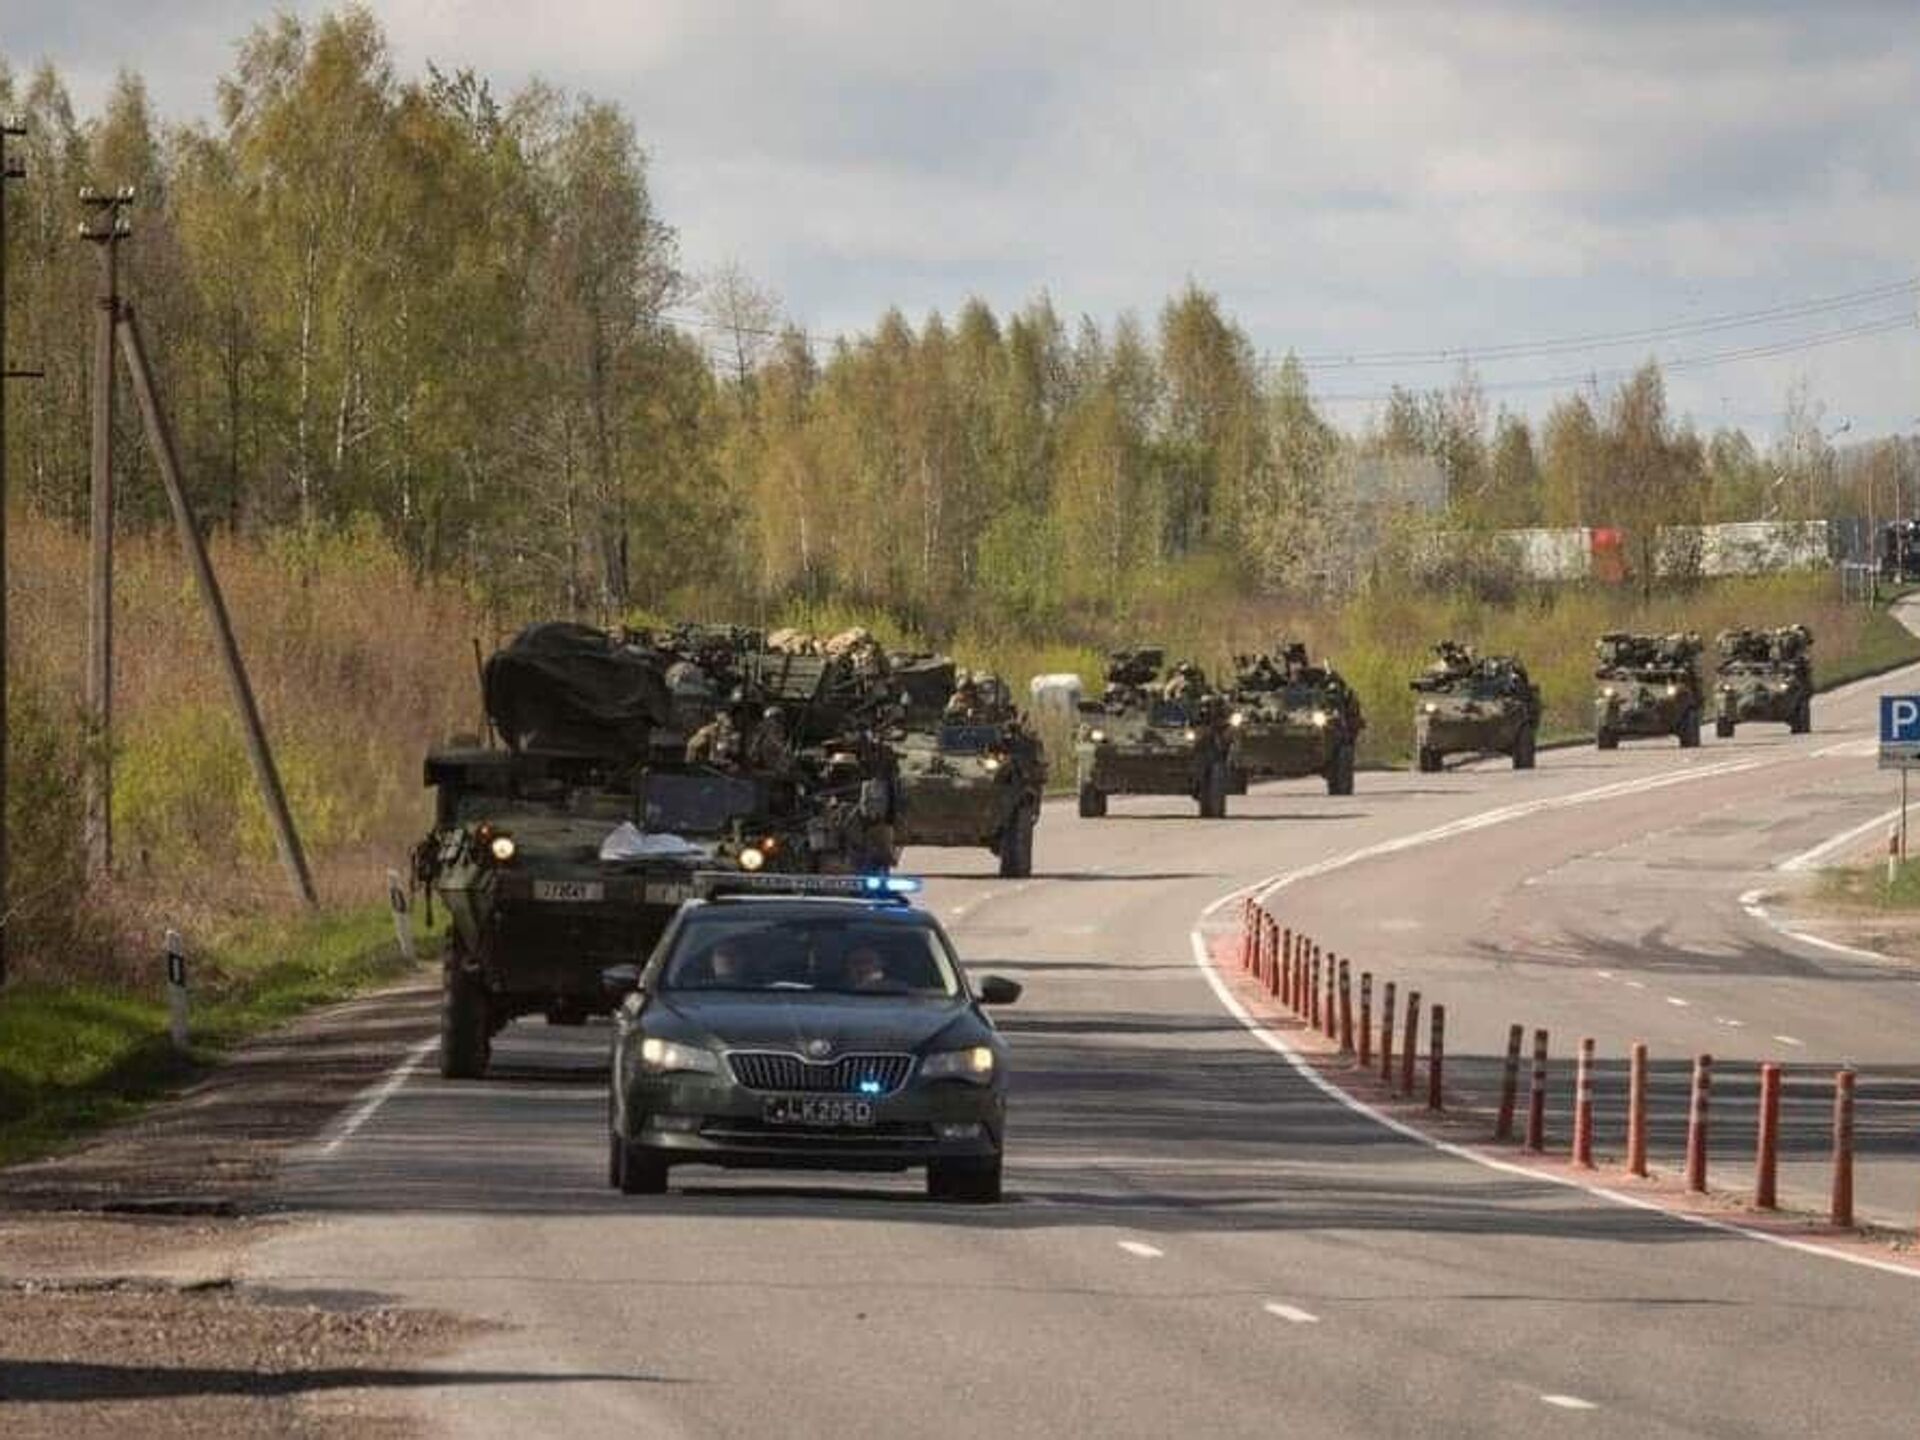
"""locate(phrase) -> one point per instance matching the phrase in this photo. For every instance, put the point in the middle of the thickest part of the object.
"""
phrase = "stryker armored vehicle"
(1649, 685)
(970, 771)
(1470, 703)
(1765, 675)
(1145, 736)
(569, 847)
(1291, 718)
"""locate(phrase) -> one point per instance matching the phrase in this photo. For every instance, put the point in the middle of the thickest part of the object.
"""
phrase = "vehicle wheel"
(1340, 770)
(1523, 748)
(1690, 730)
(1428, 761)
(635, 1172)
(1723, 728)
(1093, 802)
(1016, 845)
(466, 1037)
(1213, 792)
(973, 1182)
(1606, 740)
(1802, 720)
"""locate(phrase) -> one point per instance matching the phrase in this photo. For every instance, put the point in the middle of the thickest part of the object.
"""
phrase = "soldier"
(1294, 658)
(1187, 682)
(719, 741)
(770, 750)
(964, 703)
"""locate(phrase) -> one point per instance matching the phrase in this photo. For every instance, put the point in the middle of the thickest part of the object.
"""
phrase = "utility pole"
(105, 228)
(10, 127)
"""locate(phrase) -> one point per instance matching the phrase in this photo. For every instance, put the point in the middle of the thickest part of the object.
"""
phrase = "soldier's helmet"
(774, 715)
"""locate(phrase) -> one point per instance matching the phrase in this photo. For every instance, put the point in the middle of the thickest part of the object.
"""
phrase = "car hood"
(788, 1020)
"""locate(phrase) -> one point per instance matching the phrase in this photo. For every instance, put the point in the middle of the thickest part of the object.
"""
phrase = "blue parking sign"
(1900, 719)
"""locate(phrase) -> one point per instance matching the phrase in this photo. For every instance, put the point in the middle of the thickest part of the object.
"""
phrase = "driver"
(865, 970)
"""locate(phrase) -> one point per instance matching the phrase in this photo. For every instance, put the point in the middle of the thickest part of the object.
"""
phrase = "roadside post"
(1900, 750)
(176, 953)
(402, 923)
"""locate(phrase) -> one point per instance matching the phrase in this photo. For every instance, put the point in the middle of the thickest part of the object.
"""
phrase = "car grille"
(845, 1075)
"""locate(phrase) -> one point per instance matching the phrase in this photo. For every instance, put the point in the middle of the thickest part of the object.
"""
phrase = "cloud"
(1347, 176)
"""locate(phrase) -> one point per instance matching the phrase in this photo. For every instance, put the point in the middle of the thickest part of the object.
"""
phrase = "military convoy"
(1765, 675)
(1291, 718)
(971, 772)
(1649, 685)
(1474, 704)
(1149, 736)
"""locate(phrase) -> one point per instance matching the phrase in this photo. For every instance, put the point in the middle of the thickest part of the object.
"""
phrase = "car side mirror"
(620, 980)
(998, 990)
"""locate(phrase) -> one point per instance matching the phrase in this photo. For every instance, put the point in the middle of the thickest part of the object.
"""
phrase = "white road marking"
(1278, 1045)
(1807, 859)
(1636, 985)
(1569, 1402)
(383, 1091)
(1141, 1249)
(1734, 1024)
(1290, 1312)
(1604, 974)
(1676, 1000)
(1789, 1040)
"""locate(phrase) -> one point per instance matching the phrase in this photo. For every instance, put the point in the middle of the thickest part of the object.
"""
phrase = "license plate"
(569, 892)
(818, 1110)
(657, 892)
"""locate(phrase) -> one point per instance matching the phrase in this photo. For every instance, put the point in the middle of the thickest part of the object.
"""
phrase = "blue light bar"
(890, 884)
(763, 882)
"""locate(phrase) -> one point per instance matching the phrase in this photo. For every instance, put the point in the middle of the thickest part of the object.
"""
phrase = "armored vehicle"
(1648, 685)
(1478, 704)
(1765, 675)
(1292, 718)
(1145, 736)
(569, 847)
(971, 772)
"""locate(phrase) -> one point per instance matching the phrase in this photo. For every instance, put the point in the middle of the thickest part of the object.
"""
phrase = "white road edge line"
(1753, 902)
(1807, 859)
(1569, 1402)
(383, 1091)
(1203, 962)
(1141, 1249)
(1291, 1313)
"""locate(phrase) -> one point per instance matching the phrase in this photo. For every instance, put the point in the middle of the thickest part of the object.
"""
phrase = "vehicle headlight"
(1433, 707)
(1609, 693)
(1672, 690)
(502, 848)
(1096, 736)
(991, 763)
(974, 1063)
(1191, 735)
(1319, 719)
(664, 1057)
(752, 858)
(1237, 719)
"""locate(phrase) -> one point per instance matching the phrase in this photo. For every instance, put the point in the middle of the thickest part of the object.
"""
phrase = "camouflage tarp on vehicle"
(565, 689)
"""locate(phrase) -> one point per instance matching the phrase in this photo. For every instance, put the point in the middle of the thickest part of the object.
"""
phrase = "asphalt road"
(1198, 1239)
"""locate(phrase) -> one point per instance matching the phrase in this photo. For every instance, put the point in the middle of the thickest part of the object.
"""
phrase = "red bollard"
(1366, 1019)
(1842, 1209)
(1273, 958)
(1436, 1056)
(1248, 934)
(1330, 1016)
(1313, 990)
(1537, 1096)
(1509, 1083)
(1386, 1034)
(1637, 1110)
(1766, 1160)
(1346, 1009)
(1285, 966)
(1409, 1042)
(1697, 1116)
(1583, 1106)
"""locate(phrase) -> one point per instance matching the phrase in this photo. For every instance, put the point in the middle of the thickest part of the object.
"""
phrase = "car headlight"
(1237, 719)
(991, 763)
(1672, 690)
(1433, 707)
(974, 1063)
(1319, 719)
(664, 1057)
(1609, 693)
(752, 858)
(1190, 735)
(502, 849)
(1096, 736)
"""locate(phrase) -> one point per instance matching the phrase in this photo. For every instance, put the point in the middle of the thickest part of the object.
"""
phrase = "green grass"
(1866, 887)
(76, 1057)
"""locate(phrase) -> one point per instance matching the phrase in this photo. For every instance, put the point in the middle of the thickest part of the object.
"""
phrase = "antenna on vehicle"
(480, 680)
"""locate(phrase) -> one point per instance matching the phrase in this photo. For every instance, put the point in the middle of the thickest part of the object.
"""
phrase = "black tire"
(1093, 802)
(1690, 730)
(1723, 728)
(970, 1182)
(466, 1035)
(1607, 740)
(1428, 761)
(1524, 745)
(1213, 792)
(1016, 845)
(1340, 770)
(636, 1171)
(1802, 721)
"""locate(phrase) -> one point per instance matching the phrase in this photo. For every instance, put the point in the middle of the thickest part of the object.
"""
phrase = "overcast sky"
(1350, 178)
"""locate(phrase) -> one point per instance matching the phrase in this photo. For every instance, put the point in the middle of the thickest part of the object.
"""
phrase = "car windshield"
(697, 804)
(861, 955)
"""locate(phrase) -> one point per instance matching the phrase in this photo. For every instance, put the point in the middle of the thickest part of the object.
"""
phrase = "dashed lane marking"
(1636, 984)
(1789, 1040)
(1291, 1313)
(1676, 1000)
(1569, 1402)
(383, 1091)
(1141, 1249)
